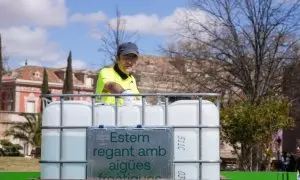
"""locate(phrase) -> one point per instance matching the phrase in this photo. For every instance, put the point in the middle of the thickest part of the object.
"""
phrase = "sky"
(44, 31)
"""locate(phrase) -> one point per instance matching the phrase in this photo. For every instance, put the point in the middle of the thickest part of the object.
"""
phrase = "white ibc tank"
(73, 140)
(129, 115)
(180, 113)
(186, 140)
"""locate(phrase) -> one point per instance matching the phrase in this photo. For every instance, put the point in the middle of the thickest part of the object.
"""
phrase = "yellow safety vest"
(114, 74)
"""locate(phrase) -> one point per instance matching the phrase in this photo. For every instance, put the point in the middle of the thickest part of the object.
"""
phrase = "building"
(21, 90)
(162, 75)
(154, 74)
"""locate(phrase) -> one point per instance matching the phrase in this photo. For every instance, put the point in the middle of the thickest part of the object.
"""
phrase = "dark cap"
(128, 48)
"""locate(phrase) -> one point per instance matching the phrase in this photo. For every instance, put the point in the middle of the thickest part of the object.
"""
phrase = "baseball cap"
(128, 48)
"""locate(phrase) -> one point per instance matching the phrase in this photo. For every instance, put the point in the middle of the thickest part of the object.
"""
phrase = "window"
(30, 106)
(36, 74)
(7, 100)
(9, 107)
(187, 68)
(89, 82)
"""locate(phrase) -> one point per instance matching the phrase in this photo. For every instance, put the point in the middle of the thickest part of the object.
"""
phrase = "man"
(298, 161)
(118, 78)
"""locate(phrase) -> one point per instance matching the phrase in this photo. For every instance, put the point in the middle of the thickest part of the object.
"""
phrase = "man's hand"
(113, 88)
(128, 100)
(131, 100)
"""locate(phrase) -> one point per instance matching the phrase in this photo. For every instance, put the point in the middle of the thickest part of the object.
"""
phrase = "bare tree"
(252, 40)
(197, 71)
(115, 35)
(248, 43)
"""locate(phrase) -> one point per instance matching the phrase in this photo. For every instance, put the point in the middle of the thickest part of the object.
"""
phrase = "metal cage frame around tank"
(166, 97)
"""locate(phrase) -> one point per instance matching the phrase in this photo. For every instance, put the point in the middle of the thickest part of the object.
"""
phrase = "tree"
(68, 82)
(116, 34)
(45, 87)
(249, 129)
(9, 149)
(249, 43)
(252, 40)
(29, 131)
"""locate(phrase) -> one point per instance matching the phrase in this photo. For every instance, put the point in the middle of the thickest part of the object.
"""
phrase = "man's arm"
(106, 83)
(113, 87)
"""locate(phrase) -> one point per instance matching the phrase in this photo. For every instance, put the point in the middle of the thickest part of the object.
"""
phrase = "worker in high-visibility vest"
(118, 79)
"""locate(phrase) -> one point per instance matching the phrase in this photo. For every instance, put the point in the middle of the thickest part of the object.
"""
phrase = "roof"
(35, 73)
(153, 74)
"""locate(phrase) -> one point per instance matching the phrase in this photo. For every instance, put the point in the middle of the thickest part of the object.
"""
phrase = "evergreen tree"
(68, 82)
(45, 87)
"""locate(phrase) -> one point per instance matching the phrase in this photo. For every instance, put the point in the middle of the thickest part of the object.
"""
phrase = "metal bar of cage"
(84, 127)
(143, 95)
(200, 136)
(60, 137)
(84, 162)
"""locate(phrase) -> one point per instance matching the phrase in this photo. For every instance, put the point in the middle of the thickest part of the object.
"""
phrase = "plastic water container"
(129, 115)
(186, 142)
(187, 145)
(73, 140)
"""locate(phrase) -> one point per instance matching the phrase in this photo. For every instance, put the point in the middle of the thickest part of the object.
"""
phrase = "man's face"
(127, 62)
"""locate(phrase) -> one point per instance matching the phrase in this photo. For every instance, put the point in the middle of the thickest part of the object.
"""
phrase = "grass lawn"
(19, 175)
(19, 168)
(230, 175)
(19, 164)
(260, 175)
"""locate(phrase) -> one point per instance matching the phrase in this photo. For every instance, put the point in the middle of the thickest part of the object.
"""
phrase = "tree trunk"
(251, 159)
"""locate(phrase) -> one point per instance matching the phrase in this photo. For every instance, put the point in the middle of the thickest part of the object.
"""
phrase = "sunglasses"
(130, 57)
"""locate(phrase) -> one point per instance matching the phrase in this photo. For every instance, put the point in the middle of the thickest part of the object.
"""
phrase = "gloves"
(131, 100)
(128, 100)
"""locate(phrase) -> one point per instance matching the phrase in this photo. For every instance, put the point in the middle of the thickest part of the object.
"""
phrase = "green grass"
(230, 175)
(19, 168)
(260, 175)
(18, 175)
